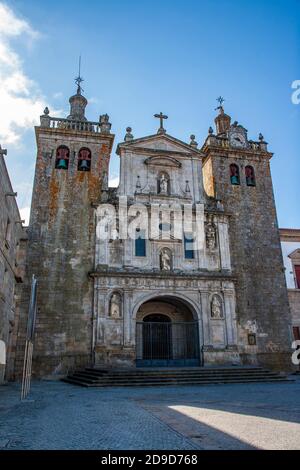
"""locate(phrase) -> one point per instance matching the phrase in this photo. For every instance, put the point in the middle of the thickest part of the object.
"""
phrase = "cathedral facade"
(180, 265)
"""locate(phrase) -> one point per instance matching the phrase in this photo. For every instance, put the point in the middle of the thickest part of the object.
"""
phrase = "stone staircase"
(97, 377)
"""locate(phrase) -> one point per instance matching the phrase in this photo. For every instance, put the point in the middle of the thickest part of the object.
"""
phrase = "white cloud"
(113, 181)
(58, 95)
(25, 214)
(20, 98)
(13, 26)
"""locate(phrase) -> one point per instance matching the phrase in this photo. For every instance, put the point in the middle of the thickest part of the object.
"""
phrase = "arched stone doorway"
(167, 334)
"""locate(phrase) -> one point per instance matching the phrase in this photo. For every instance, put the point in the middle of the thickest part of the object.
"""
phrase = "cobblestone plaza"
(61, 416)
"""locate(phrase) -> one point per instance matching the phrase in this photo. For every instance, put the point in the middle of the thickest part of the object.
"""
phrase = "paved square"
(239, 416)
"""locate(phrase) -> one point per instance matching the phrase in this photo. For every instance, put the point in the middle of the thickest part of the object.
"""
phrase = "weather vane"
(79, 79)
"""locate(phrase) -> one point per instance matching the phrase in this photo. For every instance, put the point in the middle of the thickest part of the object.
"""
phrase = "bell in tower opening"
(62, 158)
(84, 160)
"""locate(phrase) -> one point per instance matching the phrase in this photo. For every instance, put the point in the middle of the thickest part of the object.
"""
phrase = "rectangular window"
(140, 244)
(297, 276)
(188, 247)
(296, 332)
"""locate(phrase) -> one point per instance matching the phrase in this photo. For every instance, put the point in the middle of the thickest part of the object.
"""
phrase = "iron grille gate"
(167, 344)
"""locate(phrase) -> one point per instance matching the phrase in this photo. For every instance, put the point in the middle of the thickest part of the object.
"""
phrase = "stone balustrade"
(224, 143)
(103, 126)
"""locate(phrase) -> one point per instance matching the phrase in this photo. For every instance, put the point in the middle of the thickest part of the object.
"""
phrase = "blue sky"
(143, 57)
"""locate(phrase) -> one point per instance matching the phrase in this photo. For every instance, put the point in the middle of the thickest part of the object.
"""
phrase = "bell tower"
(236, 171)
(73, 155)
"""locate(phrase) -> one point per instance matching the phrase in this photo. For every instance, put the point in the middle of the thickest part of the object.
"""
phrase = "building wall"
(115, 337)
(135, 280)
(290, 243)
(78, 274)
(294, 300)
(262, 301)
(61, 247)
(12, 256)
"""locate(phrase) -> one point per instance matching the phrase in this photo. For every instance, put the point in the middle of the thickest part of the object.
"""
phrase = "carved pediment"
(159, 144)
(295, 255)
(164, 161)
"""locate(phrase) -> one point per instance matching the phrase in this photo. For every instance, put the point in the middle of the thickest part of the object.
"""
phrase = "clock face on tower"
(237, 139)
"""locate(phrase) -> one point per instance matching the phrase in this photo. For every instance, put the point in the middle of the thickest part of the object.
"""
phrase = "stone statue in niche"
(216, 307)
(115, 306)
(165, 260)
(163, 184)
(211, 235)
(251, 326)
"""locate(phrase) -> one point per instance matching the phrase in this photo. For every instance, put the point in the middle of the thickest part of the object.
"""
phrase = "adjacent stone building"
(122, 291)
(290, 243)
(13, 240)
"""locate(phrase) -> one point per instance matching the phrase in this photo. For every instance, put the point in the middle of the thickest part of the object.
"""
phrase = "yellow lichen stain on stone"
(53, 199)
(80, 175)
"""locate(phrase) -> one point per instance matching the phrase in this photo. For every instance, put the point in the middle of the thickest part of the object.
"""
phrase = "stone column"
(230, 317)
(224, 244)
(204, 296)
(127, 317)
(102, 308)
(128, 246)
(197, 183)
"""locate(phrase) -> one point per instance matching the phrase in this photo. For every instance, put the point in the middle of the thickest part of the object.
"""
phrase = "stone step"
(160, 370)
(171, 377)
(75, 381)
(93, 377)
(171, 373)
(112, 378)
(137, 383)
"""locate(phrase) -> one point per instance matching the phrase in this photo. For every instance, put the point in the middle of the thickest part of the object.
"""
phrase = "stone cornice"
(133, 145)
(160, 152)
(138, 273)
(236, 153)
(60, 132)
(289, 234)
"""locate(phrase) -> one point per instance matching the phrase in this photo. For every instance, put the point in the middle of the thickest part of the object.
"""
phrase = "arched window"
(234, 174)
(250, 175)
(84, 159)
(62, 158)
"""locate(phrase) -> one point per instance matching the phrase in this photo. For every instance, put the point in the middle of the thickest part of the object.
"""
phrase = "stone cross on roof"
(161, 117)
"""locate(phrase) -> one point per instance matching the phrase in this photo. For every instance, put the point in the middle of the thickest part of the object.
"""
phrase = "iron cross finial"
(161, 118)
(79, 79)
(220, 100)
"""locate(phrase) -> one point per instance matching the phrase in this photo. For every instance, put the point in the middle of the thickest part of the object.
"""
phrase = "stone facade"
(290, 243)
(156, 172)
(98, 296)
(12, 258)
(261, 294)
(62, 237)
